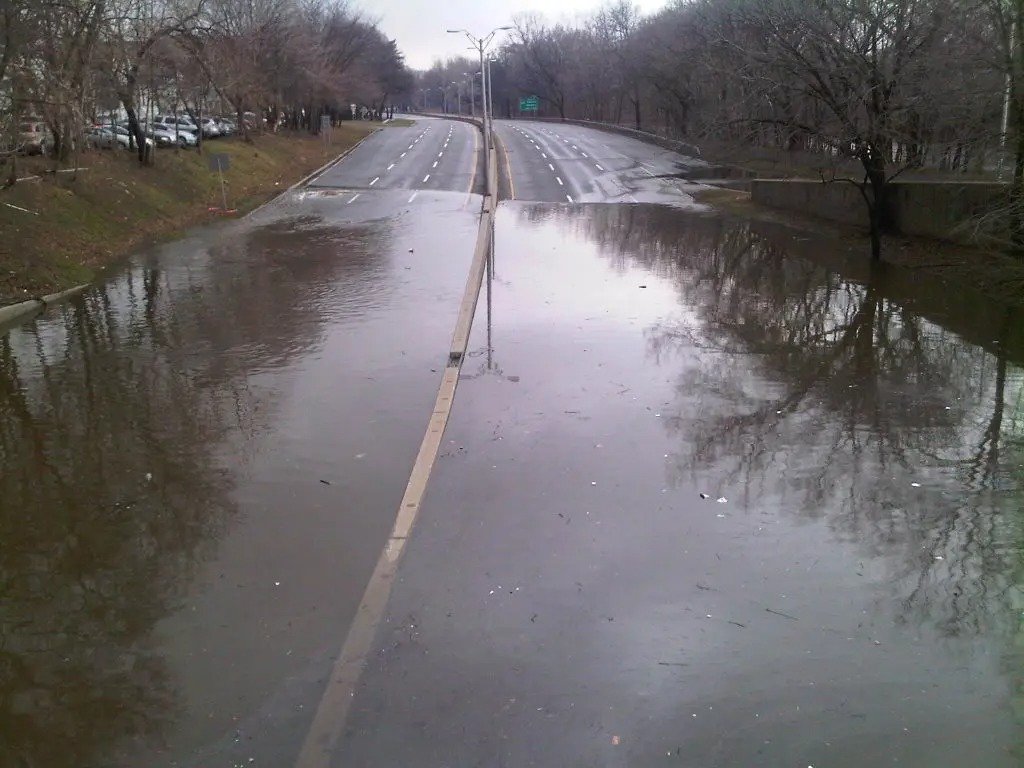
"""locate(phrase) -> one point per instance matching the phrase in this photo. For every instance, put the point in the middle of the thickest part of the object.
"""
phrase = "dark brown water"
(176, 577)
(175, 570)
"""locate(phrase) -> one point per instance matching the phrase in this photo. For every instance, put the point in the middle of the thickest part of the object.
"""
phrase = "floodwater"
(201, 459)
(713, 494)
(199, 462)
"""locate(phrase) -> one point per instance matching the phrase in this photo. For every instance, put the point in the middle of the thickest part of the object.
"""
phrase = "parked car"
(160, 136)
(163, 137)
(183, 137)
(108, 137)
(210, 128)
(99, 137)
(124, 137)
(34, 137)
(177, 123)
(227, 126)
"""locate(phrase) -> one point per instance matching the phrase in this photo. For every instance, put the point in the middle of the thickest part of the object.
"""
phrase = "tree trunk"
(876, 198)
(240, 113)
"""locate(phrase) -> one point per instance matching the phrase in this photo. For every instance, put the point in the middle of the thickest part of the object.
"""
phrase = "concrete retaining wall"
(936, 209)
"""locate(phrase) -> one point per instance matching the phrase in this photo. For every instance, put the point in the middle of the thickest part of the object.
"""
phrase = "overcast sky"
(419, 25)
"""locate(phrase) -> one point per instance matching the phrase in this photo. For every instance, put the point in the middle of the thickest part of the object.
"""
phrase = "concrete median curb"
(15, 312)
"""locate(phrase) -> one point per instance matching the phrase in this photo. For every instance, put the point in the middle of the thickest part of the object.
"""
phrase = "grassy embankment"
(82, 222)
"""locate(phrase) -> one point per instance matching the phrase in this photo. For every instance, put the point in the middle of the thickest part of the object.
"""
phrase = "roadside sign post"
(325, 128)
(220, 162)
(529, 104)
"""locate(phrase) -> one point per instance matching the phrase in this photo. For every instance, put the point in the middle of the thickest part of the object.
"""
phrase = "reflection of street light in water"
(489, 366)
(490, 280)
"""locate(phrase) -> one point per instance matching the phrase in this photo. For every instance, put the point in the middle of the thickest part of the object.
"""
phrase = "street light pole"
(481, 43)
(458, 97)
(490, 93)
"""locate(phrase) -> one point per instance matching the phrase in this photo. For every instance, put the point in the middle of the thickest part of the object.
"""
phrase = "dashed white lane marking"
(375, 180)
(544, 155)
(403, 154)
(425, 178)
(410, 146)
(559, 180)
(574, 146)
(413, 195)
(353, 198)
(391, 166)
(551, 166)
(583, 153)
(569, 198)
(434, 165)
(598, 167)
(440, 153)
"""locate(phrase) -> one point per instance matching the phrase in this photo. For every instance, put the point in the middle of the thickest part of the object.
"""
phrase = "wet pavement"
(430, 154)
(712, 494)
(562, 162)
(201, 459)
(708, 499)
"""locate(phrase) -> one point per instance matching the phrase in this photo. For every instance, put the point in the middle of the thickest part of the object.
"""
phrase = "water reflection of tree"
(114, 419)
(830, 394)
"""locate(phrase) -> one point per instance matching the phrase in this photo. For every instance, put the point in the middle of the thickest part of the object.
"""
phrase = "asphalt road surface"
(560, 162)
(429, 155)
(708, 496)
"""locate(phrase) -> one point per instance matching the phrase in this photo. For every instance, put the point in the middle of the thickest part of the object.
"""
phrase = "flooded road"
(710, 496)
(201, 459)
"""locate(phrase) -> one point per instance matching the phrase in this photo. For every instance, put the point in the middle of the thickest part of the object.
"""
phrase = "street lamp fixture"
(480, 44)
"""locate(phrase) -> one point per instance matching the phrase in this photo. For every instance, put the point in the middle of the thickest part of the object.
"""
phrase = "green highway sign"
(529, 104)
